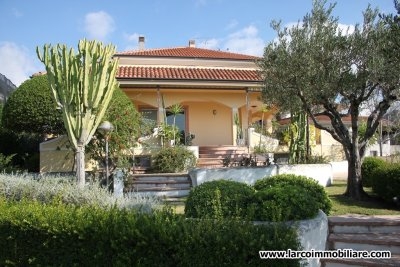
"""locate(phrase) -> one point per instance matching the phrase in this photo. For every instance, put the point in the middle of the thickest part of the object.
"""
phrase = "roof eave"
(232, 84)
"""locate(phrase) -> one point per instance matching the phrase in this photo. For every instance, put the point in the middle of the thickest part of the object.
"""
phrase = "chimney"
(141, 43)
(192, 43)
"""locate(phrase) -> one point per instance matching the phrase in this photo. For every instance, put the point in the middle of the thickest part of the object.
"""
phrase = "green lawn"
(343, 205)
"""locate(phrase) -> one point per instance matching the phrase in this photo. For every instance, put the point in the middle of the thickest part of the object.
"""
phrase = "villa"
(212, 86)
(220, 93)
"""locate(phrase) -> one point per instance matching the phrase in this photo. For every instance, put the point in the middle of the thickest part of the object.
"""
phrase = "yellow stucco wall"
(329, 148)
(55, 156)
(209, 128)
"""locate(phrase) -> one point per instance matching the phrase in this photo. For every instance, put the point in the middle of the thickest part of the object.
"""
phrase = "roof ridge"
(185, 51)
(187, 67)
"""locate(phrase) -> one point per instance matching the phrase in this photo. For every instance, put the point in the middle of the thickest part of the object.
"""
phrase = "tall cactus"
(298, 142)
(82, 86)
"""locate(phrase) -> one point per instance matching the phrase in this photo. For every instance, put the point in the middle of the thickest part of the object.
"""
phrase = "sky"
(241, 26)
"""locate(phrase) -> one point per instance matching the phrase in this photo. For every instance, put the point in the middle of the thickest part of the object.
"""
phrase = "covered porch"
(216, 117)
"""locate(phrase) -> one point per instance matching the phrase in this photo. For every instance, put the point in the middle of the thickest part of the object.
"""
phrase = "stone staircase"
(212, 156)
(171, 186)
(367, 233)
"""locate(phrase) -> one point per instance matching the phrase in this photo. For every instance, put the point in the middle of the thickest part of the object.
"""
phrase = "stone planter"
(322, 173)
(312, 234)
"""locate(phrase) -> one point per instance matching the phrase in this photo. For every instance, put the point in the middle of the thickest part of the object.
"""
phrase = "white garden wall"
(312, 234)
(322, 173)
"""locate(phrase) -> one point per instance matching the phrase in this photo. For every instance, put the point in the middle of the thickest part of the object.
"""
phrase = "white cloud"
(245, 41)
(210, 44)
(232, 24)
(345, 29)
(99, 24)
(134, 37)
(132, 40)
(200, 3)
(17, 64)
(17, 13)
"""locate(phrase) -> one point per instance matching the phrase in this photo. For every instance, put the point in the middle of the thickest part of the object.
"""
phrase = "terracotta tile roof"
(187, 52)
(179, 73)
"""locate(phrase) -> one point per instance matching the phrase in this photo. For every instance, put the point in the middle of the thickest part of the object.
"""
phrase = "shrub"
(219, 198)
(65, 190)
(386, 184)
(289, 197)
(368, 167)
(6, 163)
(31, 109)
(174, 159)
(63, 235)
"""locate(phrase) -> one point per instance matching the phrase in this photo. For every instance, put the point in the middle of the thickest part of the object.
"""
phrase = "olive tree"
(322, 69)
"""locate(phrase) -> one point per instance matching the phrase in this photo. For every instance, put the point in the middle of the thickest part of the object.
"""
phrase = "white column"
(160, 109)
(235, 113)
(248, 115)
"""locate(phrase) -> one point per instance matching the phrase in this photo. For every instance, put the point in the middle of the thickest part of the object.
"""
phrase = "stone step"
(160, 187)
(364, 224)
(392, 262)
(160, 179)
(360, 232)
(163, 184)
(223, 147)
(366, 241)
(155, 182)
(168, 194)
(218, 156)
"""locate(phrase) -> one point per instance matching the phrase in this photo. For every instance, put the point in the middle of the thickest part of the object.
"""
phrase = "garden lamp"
(105, 128)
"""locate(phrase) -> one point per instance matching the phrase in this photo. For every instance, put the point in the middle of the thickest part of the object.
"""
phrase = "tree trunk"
(355, 188)
(80, 165)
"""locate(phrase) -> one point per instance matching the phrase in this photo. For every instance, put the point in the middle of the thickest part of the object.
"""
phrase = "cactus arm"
(82, 85)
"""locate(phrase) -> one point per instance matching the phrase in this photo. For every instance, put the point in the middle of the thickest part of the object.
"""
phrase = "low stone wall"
(339, 169)
(312, 233)
(322, 173)
(239, 174)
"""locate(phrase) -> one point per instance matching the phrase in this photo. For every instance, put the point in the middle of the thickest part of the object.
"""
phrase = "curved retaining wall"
(322, 173)
(312, 234)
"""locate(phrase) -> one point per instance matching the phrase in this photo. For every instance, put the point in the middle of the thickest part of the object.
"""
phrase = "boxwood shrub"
(368, 168)
(289, 197)
(55, 234)
(220, 198)
(174, 159)
(386, 182)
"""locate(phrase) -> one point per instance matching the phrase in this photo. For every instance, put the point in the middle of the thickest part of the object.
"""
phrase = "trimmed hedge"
(277, 198)
(174, 159)
(368, 167)
(284, 203)
(289, 197)
(64, 235)
(221, 198)
(386, 182)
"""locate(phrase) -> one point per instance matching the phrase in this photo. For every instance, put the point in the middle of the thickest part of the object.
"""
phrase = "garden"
(69, 220)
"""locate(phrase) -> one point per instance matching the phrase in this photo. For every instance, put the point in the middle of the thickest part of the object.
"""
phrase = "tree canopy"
(126, 121)
(31, 109)
(320, 68)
